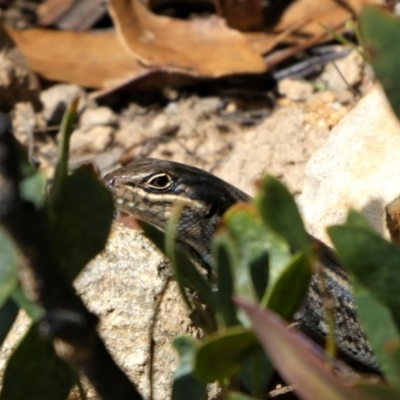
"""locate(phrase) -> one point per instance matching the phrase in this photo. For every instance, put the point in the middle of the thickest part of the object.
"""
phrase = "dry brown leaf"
(94, 60)
(302, 25)
(320, 13)
(200, 47)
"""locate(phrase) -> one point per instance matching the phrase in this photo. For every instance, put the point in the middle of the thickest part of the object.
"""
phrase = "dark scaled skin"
(151, 193)
(150, 189)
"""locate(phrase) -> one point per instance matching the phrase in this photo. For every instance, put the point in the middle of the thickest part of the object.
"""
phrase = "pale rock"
(280, 146)
(57, 98)
(122, 286)
(91, 140)
(98, 116)
(295, 90)
(357, 168)
(23, 121)
(345, 72)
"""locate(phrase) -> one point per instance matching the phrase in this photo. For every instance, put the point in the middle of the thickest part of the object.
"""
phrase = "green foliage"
(35, 372)
(79, 212)
(9, 263)
(84, 200)
(186, 385)
(252, 262)
(374, 265)
(8, 314)
(380, 32)
(252, 259)
(225, 351)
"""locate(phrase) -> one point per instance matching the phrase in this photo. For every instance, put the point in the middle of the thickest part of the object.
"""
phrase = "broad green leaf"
(251, 241)
(154, 234)
(8, 266)
(374, 262)
(225, 256)
(256, 373)
(357, 220)
(380, 31)
(80, 220)
(186, 385)
(279, 212)
(61, 172)
(32, 188)
(296, 359)
(34, 372)
(8, 314)
(381, 331)
(191, 277)
(32, 308)
(195, 280)
(221, 355)
(291, 288)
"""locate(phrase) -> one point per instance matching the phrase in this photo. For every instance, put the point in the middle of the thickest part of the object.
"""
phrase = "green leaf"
(381, 331)
(186, 385)
(251, 244)
(8, 266)
(380, 31)
(8, 314)
(194, 279)
(225, 255)
(373, 261)
(357, 220)
(80, 220)
(297, 361)
(291, 288)
(32, 308)
(256, 373)
(32, 188)
(61, 172)
(279, 212)
(34, 372)
(221, 355)
(154, 234)
(190, 275)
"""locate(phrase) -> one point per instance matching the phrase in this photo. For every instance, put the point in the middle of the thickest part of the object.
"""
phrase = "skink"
(150, 188)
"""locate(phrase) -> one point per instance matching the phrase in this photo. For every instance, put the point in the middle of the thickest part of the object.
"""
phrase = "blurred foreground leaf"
(279, 211)
(298, 361)
(8, 314)
(8, 266)
(80, 220)
(186, 385)
(225, 351)
(35, 372)
(374, 264)
(291, 288)
(381, 32)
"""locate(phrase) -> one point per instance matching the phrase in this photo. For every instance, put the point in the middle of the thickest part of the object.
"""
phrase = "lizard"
(150, 188)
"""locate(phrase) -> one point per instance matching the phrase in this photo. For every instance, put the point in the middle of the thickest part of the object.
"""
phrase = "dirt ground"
(238, 137)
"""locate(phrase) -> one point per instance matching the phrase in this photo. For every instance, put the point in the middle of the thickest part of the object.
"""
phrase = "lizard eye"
(160, 181)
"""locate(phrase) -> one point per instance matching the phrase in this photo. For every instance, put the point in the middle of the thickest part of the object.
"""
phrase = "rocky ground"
(236, 137)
